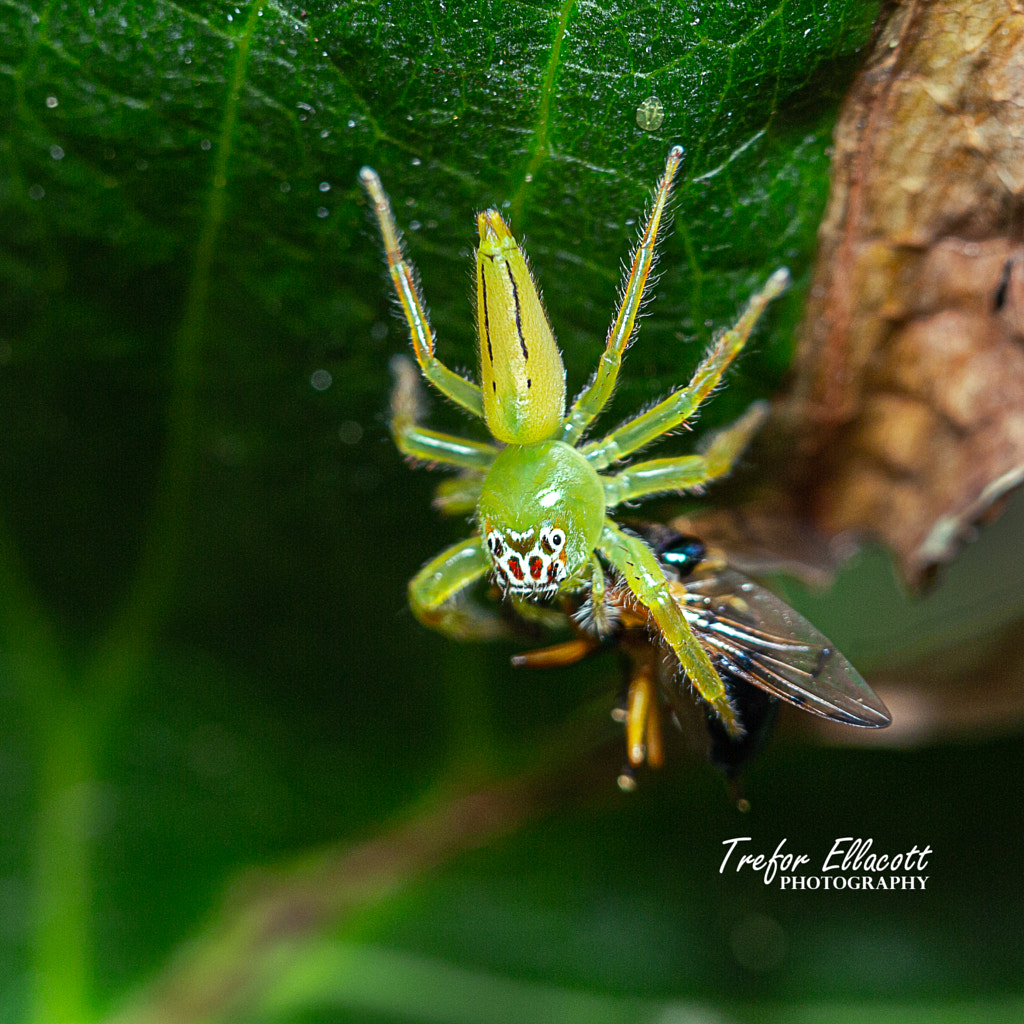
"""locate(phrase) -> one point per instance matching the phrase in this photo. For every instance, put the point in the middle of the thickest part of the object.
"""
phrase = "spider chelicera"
(542, 494)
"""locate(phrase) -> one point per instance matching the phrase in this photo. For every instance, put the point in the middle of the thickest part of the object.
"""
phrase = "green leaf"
(203, 549)
(534, 111)
(128, 145)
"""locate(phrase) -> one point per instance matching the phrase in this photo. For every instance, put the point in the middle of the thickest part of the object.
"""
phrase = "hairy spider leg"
(421, 443)
(458, 495)
(594, 396)
(686, 472)
(596, 615)
(433, 589)
(681, 404)
(403, 276)
(597, 582)
(538, 614)
(640, 571)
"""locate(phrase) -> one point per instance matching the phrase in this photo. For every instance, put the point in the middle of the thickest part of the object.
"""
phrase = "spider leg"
(420, 442)
(433, 590)
(594, 396)
(641, 573)
(403, 276)
(685, 472)
(458, 495)
(597, 615)
(681, 404)
(528, 611)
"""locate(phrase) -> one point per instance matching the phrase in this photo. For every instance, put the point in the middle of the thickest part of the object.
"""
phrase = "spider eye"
(494, 543)
(552, 538)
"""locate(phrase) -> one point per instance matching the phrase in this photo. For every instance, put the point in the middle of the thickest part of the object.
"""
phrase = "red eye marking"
(516, 567)
(553, 572)
(536, 566)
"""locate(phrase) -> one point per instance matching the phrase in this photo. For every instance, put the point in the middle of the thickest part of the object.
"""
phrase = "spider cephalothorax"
(540, 494)
(541, 511)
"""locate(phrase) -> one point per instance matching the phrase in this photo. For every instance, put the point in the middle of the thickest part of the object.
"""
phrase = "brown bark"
(909, 394)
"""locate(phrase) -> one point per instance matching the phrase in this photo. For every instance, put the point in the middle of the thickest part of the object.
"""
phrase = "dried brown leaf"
(909, 396)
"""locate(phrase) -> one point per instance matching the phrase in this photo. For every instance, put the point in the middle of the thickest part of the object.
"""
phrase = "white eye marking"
(552, 539)
(537, 571)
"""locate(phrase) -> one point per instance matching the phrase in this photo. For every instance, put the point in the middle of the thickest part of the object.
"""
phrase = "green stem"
(62, 948)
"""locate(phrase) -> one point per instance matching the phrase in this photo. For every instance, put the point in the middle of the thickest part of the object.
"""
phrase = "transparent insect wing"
(758, 637)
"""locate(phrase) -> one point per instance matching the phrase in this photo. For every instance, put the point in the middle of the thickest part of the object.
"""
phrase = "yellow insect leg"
(643, 719)
(557, 655)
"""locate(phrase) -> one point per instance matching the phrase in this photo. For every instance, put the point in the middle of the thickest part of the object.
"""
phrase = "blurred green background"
(206, 663)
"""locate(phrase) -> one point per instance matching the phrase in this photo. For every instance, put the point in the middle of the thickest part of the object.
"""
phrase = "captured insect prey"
(542, 494)
(764, 651)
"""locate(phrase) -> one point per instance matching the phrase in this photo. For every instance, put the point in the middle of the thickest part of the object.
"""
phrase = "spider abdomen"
(521, 371)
